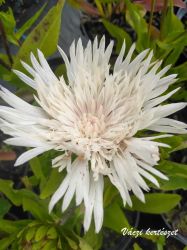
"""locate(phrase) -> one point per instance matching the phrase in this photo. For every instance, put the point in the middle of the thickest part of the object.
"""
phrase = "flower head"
(95, 115)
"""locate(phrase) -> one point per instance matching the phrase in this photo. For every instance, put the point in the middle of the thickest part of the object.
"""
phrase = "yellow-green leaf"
(115, 222)
(156, 203)
(41, 232)
(44, 36)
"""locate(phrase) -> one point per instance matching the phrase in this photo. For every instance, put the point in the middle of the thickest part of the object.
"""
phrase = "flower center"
(91, 126)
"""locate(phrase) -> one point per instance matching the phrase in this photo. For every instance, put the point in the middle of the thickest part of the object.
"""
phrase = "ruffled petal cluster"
(94, 115)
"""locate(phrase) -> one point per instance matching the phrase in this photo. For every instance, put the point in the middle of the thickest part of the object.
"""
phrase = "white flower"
(95, 115)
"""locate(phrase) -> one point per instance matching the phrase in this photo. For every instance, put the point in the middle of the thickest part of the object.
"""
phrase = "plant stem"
(5, 43)
(5, 65)
(164, 12)
(151, 17)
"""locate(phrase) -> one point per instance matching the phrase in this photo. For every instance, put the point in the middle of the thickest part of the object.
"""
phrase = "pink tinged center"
(90, 126)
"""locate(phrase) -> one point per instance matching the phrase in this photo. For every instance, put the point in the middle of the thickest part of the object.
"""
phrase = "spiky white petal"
(95, 116)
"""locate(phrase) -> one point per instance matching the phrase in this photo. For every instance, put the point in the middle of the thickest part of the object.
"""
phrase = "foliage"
(2, 1)
(41, 230)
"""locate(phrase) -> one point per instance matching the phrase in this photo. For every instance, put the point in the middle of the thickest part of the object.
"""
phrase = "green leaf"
(27, 25)
(171, 47)
(173, 142)
(183, 143)
(99, 6)
(4, 207)
(37, 245)
(45, 158)
(50, 245)
(61, 71)
(174, 39)
(181, 95)
(71, 243)
(171, 23)
(84, 245)
(136, 247)
(119, 34)
(30, 233)
(8, 226)
(160, 242)
(136, 20)
(181, 70)
(22, 223)
(177, 174)
(34, 223)
(153, 238)
(52, 233)
(173, 168)
(174, 183)
(93, 239)
(52, 184)
(11, 194)
(114, 222)
(44, 36)
(5, 242)
(35, 206)
(174, 55)
(110, 193)
(9, 24)
(41, 232)
(156, 203)
(33, 181)
(36, 167)
(2, 1)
